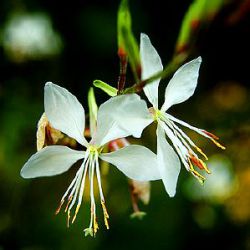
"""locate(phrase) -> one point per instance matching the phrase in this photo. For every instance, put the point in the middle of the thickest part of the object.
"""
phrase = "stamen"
(93, 222)
(81, 190)
(69, 200)
(66, 193)
(96, 227)
(59, 207)
(200, 177)
(76, 212)
(68, 218)
(105, 213)
(210, 135)
(186, 137)
(74, 192)
(199, 163)
(203, 132)
(214, 139)
(180, 149)
(217, 144)
(76, 188)
(201, 152)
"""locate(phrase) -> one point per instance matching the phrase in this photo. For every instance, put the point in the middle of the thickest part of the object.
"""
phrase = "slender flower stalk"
(180, 88)
(67, 115)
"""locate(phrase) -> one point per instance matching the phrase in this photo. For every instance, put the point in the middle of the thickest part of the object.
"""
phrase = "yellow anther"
(218, 144)
(205, 166)
(59, 207)
(96, 227)
(201, 152)
(105, 212)
(69, 200)
(76, 212)
(200, 177)
(68, 218)
(106, 215)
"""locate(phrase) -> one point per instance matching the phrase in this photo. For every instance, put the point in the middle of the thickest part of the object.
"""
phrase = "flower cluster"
(119, 117)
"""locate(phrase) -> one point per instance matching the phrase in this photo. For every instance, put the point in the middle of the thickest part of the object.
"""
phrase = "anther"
(105, 213)
(76, 212)
(59, 207)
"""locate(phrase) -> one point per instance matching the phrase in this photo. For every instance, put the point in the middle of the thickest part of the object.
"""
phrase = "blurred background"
(72, 44)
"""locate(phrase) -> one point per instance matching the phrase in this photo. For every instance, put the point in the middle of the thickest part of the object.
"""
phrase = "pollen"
(210, 135)
(200, 177)
(96, 227)
(68, 218)
(202, 153)
(59, 207)
(76, 212)
(214, 139)
(199, 163)
(69, 200)
(106, 215)
(218, 144)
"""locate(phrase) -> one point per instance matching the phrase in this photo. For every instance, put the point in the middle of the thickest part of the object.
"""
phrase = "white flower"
(179, 89)
(66, 114)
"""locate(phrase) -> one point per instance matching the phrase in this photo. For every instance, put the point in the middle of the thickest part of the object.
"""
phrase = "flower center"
(93, 149)
(156, 113)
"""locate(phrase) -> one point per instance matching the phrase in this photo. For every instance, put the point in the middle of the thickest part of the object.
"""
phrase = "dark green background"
(220, 104)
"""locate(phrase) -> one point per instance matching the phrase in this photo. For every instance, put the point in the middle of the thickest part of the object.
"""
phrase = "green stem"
(168, 70)
(123, 71)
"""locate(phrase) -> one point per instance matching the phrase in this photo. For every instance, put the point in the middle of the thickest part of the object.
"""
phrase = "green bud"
(199, 11)
(111, 91)
(127, 44)
(92, 110)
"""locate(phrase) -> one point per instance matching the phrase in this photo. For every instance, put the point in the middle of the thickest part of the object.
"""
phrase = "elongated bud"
(127, 44)
(198, 13)
(92, 111)
(111, 91)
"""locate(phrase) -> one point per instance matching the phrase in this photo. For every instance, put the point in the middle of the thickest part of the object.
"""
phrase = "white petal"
(121, 116)
(168, 162)
(183, 84)
(136, 162)
(64, 112)
(151, 64)
(49, 161)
